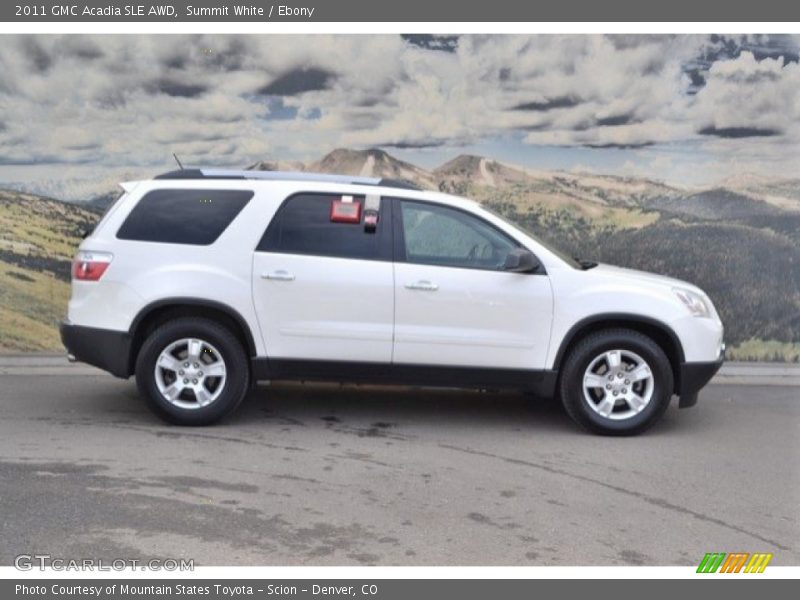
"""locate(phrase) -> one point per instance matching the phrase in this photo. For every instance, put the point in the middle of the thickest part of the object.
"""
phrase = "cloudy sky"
(79, 112)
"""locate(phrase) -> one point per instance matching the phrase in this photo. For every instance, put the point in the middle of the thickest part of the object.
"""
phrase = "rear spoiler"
(128, 186)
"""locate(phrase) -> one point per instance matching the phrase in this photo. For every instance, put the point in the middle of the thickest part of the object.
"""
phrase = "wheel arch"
(661, 333)
(161, 311)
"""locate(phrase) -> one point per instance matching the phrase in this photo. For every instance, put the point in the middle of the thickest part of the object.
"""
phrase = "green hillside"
(749, 267)
(38, 237)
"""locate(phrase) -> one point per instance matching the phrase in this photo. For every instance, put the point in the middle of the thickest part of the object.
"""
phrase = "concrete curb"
(733, 373)
(742, 373)
(43, 364)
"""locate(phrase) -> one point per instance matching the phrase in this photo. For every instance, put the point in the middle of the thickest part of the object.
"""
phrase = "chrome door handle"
(424, 286)
(280, 275)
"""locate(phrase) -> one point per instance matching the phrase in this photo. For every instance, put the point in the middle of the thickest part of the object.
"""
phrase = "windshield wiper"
(585, 264)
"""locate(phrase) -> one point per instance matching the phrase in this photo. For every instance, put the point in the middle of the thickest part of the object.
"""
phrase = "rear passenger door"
(324, 290)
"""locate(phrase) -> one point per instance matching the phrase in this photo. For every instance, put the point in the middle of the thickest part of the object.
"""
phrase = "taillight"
(90, 266)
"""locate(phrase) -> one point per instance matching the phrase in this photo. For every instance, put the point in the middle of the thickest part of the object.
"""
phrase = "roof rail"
(283, 176)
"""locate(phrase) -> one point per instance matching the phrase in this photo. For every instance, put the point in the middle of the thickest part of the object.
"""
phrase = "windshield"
(522, 229)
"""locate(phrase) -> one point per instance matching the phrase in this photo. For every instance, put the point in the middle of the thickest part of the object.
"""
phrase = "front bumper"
(693, 376)
(104, 348)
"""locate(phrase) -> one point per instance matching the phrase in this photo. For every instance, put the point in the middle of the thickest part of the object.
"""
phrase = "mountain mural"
(739, 240)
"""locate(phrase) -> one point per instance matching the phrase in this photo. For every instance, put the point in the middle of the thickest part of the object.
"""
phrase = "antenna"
(177, 160)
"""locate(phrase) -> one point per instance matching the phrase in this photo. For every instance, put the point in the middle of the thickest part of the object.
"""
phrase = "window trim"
(138, 202)
(384, 232)
(400, 240)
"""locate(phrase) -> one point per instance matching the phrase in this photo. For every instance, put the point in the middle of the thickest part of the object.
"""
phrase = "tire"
(616, 382)
(198, 363)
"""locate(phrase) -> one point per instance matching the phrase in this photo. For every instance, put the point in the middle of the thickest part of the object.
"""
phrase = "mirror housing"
(520, 260)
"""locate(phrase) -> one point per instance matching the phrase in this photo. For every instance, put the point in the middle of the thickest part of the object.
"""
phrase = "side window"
(303, 225)
(438, 235)
(196, 217)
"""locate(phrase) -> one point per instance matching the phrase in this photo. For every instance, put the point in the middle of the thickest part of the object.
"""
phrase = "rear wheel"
(192, 371)
(616, 382)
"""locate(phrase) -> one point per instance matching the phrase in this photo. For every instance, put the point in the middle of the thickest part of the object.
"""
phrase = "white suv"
(201, 282)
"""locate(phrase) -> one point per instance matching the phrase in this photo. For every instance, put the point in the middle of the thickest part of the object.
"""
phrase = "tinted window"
(437, 235)
(303, 226)
(183, 216)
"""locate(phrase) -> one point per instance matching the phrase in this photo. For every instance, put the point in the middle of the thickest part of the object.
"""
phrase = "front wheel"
(616, 382)
(192, 371)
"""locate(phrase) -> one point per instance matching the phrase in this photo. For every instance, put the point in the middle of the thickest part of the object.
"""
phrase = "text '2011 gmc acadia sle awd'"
(200, 282)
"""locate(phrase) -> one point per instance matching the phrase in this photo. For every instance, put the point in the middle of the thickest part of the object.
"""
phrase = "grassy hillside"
(38, 237)
(751, 270)
(765, 351)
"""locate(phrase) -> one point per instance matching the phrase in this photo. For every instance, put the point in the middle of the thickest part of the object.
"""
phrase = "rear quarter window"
(196, 217)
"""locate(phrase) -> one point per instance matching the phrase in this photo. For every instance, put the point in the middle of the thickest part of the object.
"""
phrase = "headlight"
(694, 302)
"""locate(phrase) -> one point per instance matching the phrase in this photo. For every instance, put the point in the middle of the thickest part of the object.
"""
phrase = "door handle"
(424, 286)
(279, 275)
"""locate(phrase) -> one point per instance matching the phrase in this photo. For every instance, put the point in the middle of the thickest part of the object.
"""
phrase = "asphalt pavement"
(349, 475)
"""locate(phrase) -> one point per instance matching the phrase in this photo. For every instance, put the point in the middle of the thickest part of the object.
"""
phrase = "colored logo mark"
(736, 562)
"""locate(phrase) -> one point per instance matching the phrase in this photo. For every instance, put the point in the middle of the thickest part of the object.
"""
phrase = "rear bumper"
(693, 377)
(103, 348)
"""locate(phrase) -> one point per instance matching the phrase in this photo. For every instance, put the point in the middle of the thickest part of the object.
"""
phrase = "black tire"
(571, 390)
(237, 371)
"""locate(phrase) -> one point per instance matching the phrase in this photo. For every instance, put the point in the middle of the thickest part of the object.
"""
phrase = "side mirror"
(520, 260)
